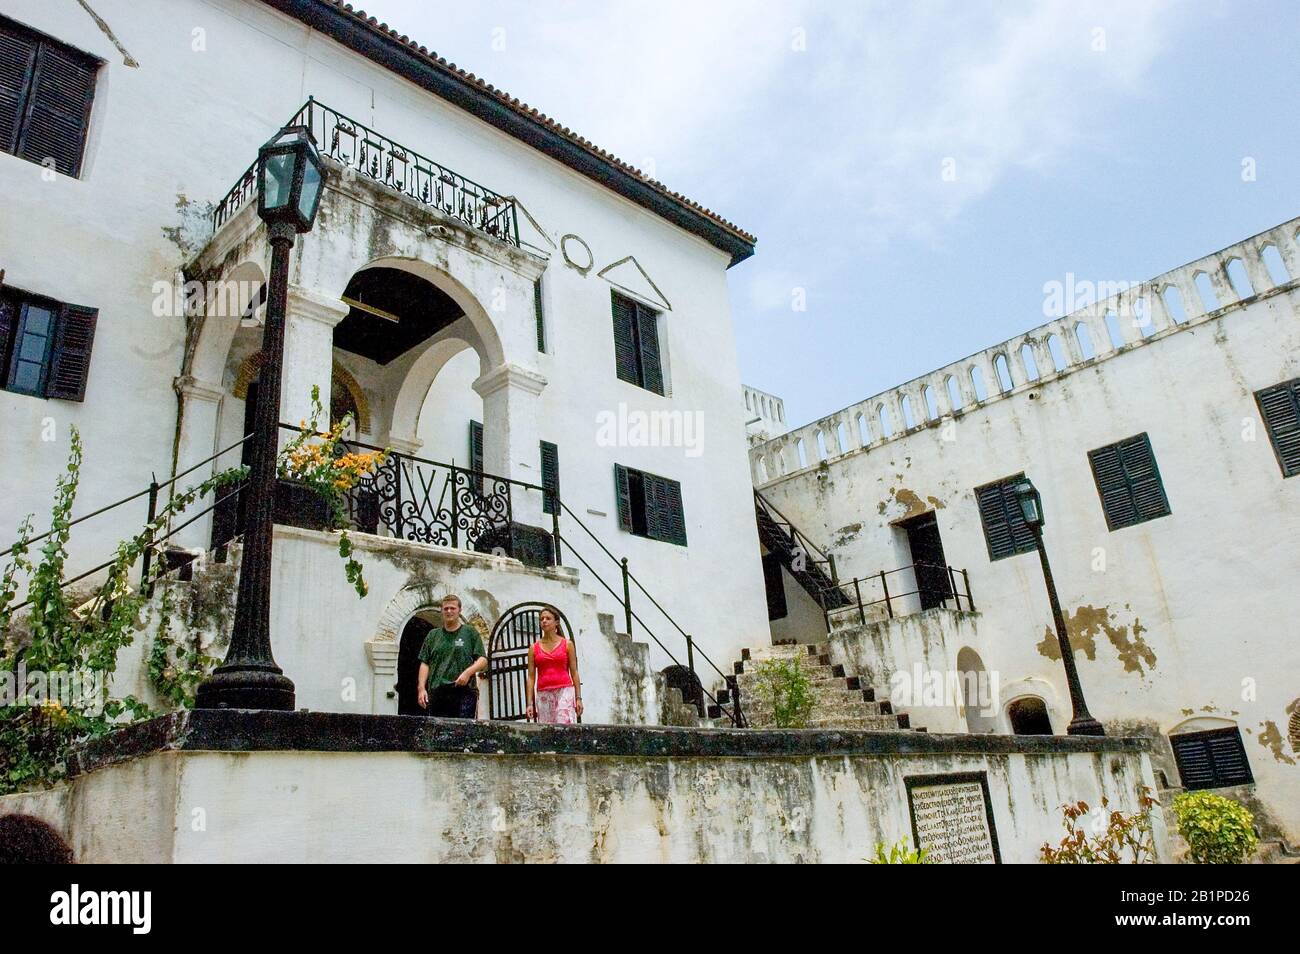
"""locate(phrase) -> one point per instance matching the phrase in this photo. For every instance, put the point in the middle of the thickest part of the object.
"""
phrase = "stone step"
(783, 652)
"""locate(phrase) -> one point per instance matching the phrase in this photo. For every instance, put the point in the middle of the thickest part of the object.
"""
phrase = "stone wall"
(292, 787)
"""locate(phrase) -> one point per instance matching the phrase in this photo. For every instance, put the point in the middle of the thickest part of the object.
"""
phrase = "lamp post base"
(1086, 726)
(246, 687)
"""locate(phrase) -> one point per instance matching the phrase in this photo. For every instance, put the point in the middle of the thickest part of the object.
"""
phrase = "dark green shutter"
(70, 359)
(625, 347)
(58, 109)
(550, 478)
(674, 525)
(475, 445)
(1211, 759)
(652, 375)
(623, 491)
(1280, 408)
(8, 321)
(17, 63)
(1005, 530)
(1128, 482)
(539, 315)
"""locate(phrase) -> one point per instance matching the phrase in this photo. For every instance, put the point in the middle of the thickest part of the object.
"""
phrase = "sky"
(916, 173)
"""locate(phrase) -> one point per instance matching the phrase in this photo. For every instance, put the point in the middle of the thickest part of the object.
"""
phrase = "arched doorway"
(517, 629)
(408, 664)
(1028, 716)
(977, 693)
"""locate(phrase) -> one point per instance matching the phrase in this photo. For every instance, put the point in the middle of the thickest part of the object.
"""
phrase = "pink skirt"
(556, 706)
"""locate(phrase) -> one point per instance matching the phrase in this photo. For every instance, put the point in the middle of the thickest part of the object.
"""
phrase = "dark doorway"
(1029, 717)
(408, 666)
(515, 632)
(929, 564)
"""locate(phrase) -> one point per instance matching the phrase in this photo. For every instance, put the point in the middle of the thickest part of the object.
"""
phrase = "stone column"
(308, 353)
(511, 435)
(200, 404)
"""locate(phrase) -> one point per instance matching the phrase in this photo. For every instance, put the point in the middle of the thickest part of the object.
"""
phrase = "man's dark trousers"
(454, 702)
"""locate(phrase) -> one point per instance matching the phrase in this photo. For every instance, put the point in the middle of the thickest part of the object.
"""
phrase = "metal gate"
(517, 629)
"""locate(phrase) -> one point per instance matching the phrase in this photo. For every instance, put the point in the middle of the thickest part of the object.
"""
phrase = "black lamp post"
(1031, 508)
(290, 176)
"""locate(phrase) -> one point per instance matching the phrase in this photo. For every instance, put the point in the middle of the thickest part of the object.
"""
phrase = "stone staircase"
(841, 701)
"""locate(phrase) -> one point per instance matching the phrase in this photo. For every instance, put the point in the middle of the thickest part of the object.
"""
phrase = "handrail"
(852, 590)
(152, 488)
(768, 505)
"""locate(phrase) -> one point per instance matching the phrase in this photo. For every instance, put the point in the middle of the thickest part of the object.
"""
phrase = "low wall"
(260, 787)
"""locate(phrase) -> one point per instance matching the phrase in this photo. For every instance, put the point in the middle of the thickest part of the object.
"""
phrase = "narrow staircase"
(841, 701)
(805, 561)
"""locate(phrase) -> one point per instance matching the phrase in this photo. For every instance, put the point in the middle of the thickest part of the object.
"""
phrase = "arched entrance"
(1028, 716)
(517, 629)
(408, 664)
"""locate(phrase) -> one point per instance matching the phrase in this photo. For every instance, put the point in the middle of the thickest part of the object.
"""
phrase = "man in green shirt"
(450, 658)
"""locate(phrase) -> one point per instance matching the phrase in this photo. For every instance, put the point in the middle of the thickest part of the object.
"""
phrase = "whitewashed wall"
(1189, 615)
(215, 80)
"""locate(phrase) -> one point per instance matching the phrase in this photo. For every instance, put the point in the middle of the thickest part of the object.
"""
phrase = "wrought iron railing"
(932, 584)
(368, 153)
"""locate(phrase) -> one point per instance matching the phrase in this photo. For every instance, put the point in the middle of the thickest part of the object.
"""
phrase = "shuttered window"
(1212, 759)
(45, 346)
(636, 344)
(539, 315)
(1128, 482)
(46, 90)
(649, 505)
(1005, 530)
(550, 478)
(475, 445)
(1279, 406)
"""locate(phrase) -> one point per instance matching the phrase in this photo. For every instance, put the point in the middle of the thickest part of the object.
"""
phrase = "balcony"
(366, 153)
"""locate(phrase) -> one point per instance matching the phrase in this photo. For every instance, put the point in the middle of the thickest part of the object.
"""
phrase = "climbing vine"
(57, 660)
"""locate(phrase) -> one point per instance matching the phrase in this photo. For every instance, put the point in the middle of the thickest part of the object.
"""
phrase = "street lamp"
(1031, 508)
(290, 177)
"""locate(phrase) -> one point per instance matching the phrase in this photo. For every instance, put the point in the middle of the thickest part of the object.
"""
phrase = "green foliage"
(901, 853)
(786, 688)
(1218, 830)
(57, 638)
(1117, 838)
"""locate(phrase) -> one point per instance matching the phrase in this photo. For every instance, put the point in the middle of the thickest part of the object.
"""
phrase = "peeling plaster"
(1271, 739)
(1083, 627)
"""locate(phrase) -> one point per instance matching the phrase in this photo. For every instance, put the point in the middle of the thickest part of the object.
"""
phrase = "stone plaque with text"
(952, 818)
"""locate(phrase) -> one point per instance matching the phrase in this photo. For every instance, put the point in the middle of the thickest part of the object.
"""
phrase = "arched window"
(886, 428)
(1084, 336)
(980, 709)
(864, 435)
(1272, 260)
(842, 437)
(1028, 716)
(909, 419)
(931, 405)
(1003, 369)
(821, 445)
(977, 383)
(1205, 288)
(954, 392)
(1057, 352)
(1238, 278)
(1174, 304)
(1027, 359)
(801, 452)
(1112, 329)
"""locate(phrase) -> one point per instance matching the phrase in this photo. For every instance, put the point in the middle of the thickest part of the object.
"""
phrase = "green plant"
(901, 853)
(314, 460)
(1218, 831)
(784, 686)
(1118, 838)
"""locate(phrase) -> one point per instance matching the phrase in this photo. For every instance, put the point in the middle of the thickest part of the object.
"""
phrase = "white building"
(1160, 425)
(455, 294)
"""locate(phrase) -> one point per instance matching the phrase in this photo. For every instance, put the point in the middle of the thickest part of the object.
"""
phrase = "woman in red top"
(554, 689)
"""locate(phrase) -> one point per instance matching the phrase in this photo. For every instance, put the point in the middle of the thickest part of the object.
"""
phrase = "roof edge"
(403, 57)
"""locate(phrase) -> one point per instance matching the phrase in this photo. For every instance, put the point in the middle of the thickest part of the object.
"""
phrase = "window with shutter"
(46, 91)
(539, 315)
(649, 505)
(1279, 406)
(1214, 758)
(45, 346)
(1128, 482)
(475, 445)
(550, 478)
(637, 354)
(1005, 530)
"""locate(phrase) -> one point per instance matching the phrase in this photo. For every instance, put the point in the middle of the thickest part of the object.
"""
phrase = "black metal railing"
(153, 494)
(366, 152)
(932, 584)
